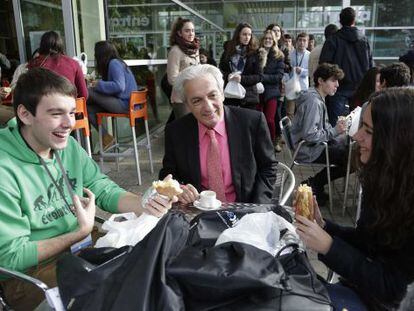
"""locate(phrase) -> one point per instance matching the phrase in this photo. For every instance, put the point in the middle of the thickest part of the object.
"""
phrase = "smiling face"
(364, 136)
(245, 36)
(277, 31)
(268, 40)
(51, 126)
(205, 100)
(187, 32)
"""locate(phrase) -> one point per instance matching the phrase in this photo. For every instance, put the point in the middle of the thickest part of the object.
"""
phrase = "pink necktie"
(215, 175)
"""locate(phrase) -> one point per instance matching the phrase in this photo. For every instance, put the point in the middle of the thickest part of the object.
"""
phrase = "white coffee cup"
(207, 198)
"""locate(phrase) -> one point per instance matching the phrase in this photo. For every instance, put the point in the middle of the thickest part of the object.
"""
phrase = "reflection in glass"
(39, 17)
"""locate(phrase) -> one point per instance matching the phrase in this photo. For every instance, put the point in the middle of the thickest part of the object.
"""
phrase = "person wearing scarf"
(240, 62)
(183, 53)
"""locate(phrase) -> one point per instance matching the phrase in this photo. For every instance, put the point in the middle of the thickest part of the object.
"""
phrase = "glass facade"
(141, 28)
(39, 17)
(135, 25)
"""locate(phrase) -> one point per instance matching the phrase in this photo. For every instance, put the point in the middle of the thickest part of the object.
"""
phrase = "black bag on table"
(206, 227)
(168, 270)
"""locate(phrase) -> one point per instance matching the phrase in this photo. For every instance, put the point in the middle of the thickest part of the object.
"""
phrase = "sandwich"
(168, 188)
(304, 202)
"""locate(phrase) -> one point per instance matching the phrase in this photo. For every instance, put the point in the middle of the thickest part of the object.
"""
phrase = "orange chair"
(82, 122)
(137, 110)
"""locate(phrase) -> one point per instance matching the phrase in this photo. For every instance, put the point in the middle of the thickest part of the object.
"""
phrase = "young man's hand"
(158, 206)
(85, 211)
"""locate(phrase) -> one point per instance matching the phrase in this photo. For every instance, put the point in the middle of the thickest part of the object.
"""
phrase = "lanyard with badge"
(87, 241)
(301, 59)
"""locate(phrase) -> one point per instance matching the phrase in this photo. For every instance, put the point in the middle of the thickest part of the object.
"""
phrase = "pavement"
(126, 177)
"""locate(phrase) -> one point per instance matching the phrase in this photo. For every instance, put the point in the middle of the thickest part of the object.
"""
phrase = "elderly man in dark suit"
(225, 149)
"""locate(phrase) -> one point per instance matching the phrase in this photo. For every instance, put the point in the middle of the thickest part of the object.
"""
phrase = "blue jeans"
(338, 105)
(343, 297)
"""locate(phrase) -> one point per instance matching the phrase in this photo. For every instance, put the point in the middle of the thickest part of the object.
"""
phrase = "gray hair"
(194, 72)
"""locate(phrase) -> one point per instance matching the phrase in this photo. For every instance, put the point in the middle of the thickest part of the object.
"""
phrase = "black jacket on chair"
(250, 76)
(252, 157)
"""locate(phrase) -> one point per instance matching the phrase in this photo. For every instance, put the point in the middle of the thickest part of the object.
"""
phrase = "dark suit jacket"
(251, 154)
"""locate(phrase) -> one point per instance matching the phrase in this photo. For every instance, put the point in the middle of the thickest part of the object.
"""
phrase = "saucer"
(198, 205)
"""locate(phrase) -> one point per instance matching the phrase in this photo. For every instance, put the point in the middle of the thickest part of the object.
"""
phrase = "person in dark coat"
(349, 49)
(272, 64)
(240, 62)
(375, 259)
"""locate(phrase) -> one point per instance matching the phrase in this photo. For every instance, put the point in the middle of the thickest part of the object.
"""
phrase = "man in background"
(316, 52)
(349, 49)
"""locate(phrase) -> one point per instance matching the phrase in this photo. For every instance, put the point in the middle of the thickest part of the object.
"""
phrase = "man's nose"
(69, 120)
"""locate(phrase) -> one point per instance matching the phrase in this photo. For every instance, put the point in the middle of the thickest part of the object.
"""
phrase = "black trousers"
(338, 155)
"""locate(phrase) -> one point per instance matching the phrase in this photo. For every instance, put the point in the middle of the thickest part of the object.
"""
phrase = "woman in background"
(273, 66)
(52, 57)
(278, 31)
(240, 62)
(112, 92)
(183, 53)
(375, 259)
(369, 84)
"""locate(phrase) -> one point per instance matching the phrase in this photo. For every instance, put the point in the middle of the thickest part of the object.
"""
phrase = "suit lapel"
(234, 141)
(193, 152)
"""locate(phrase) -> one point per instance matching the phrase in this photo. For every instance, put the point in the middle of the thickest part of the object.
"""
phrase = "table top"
(191, 211)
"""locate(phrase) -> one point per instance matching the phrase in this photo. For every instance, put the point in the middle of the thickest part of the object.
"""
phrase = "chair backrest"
(138, 105)
(285, 182)
(285, 128)
(81, 116)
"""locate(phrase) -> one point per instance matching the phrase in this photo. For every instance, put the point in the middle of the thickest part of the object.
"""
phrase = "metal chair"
(137, 110)
(285, 182)
(82, 122)
(51, 294)
(285, 126)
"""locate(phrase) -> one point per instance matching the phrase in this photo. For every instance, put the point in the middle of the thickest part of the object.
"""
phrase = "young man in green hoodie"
(44, 174)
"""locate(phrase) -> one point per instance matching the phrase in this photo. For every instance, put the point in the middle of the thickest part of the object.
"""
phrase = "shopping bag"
(292, 87)
(234, 90)
(259, 88)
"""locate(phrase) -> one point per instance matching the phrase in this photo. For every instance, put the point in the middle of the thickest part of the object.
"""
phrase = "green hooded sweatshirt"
(31, 207)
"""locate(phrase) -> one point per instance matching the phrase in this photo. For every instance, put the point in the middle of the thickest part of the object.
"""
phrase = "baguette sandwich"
(168, 188)
(304, 202)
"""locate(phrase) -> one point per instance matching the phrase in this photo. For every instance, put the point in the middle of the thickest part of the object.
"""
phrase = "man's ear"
(320, 80)
(24, 115)
(383, 85)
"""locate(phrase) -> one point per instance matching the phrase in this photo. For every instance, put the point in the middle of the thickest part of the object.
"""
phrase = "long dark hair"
(230, 46)
(388, 176)
(365, 88)
(178, 26)
(51, 43)
(280, 43)
(105, 51)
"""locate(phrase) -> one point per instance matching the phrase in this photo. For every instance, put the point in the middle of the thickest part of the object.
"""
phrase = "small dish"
(198, 205)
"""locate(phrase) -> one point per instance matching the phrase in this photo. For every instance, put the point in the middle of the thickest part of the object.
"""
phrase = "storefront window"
(89, 26)
(39, 17)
